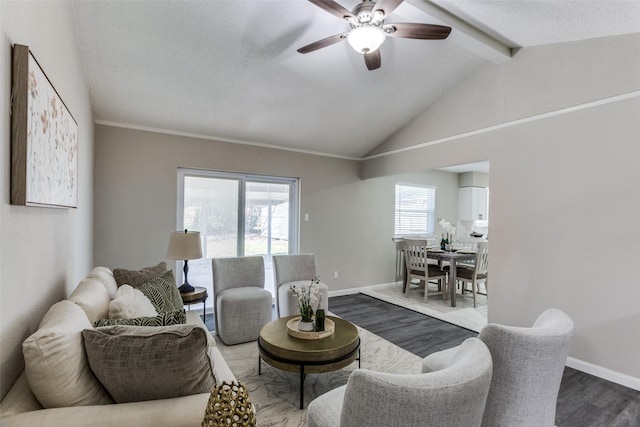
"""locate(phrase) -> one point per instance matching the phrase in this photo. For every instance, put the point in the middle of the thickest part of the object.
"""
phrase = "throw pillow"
(55, 360)
(92, 297)
(177, 317)
(135, 278)
(105, 276)
(229, 405)
(136, 363)
(163, 293)
(130, 303)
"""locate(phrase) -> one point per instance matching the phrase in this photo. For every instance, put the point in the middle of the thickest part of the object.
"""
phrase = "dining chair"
(476, 273)
(418, 267)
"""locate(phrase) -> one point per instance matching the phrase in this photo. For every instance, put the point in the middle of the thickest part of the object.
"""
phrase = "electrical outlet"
(335, 274)
(306, 217)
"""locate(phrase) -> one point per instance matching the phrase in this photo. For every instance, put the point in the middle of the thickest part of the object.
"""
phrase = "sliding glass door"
(267, 213)
(237, 215)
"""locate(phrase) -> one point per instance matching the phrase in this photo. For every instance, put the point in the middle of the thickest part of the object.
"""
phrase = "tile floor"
(464, 314)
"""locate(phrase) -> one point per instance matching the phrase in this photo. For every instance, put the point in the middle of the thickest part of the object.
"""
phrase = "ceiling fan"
(368, 30)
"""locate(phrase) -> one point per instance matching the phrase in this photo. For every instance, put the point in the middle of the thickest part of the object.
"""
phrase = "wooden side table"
(198, 295)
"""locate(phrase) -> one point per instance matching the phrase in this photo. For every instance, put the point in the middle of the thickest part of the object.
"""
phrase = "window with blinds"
(415, 209)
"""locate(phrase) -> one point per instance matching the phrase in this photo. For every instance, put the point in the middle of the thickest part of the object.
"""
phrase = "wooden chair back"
(415, 255)
(482, 258)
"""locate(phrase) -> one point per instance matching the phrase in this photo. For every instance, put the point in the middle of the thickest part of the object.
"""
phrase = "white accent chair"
(242, 305)
(298, 270)
(454, 395)
(528, 365)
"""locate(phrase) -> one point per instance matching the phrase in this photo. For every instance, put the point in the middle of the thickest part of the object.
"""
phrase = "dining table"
(452, 257)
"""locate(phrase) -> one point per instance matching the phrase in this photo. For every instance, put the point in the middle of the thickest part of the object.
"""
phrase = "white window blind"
(415, 209)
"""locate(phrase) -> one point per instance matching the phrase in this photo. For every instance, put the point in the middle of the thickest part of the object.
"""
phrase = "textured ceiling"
(229, 69)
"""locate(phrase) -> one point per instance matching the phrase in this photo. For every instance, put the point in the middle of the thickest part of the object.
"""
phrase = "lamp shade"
(184, 245)
(366, 39)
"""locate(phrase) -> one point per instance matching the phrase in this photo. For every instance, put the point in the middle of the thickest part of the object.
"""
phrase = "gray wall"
(44, 252)
(565, 197)
(351, 221)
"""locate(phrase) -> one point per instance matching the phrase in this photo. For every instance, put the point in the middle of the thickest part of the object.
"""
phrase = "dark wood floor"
(583, 400)
(399, 325)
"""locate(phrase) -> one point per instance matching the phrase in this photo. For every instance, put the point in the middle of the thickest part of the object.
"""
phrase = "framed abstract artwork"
(44, 139)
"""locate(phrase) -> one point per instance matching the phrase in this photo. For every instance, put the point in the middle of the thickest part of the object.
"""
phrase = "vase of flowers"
(308, 299)
(446, 243)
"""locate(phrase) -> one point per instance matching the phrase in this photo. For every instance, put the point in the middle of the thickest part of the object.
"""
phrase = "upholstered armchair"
(298, 270)
(529, 363)
(453, 395)
(527, 370)
(242, 305)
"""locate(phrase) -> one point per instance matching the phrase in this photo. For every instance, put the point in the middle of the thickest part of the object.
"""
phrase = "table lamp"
(185, 245)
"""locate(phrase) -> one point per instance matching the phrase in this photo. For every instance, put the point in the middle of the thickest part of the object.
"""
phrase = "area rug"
(275, 393)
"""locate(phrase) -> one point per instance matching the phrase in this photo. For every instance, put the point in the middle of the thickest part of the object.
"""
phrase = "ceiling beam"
(464, 34)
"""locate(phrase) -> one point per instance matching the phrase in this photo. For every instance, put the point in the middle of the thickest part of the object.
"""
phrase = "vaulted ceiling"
(229, 70)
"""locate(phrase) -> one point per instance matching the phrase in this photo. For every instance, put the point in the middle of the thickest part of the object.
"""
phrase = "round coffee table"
(282, 351)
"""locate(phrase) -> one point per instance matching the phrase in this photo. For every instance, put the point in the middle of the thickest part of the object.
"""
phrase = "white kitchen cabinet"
(473, 203)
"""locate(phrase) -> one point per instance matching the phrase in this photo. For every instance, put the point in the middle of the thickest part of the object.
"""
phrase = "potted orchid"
(450, 229)
(308, 299)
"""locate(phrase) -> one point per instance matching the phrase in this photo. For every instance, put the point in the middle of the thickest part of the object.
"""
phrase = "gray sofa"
(67, 319)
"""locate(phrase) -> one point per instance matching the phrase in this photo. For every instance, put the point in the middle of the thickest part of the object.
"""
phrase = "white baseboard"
(591, 369)
(604, 373)
(357, 290)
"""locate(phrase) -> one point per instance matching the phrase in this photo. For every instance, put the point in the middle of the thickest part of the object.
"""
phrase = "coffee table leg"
(301, 386)
(259, 365)
(359, 358)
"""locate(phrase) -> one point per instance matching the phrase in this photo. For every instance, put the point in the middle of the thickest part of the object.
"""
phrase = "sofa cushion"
(176, 317)
(130, 303)
(137, 363)
(105, 276)
(163, 293)
(92, 297)
(135, 278)
(55, 360)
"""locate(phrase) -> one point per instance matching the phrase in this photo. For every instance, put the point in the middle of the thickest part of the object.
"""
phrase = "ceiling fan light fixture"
(366, 38)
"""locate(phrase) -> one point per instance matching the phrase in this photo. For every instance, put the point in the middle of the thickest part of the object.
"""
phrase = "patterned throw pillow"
(177, 317)
(229, 405)
(136, 363)
(135, 278)
(163, 293)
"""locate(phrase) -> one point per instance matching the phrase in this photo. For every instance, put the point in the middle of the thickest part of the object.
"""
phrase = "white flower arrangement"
(308, 298)
(447, 226)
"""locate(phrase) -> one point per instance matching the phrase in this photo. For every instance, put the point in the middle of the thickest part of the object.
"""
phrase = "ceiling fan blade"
(372, 60)
(387, 6)
(323, 43)
(333, 8)
(417, 31)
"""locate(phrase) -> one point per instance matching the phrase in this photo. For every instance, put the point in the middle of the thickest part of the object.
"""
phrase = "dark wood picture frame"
(44, 138)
